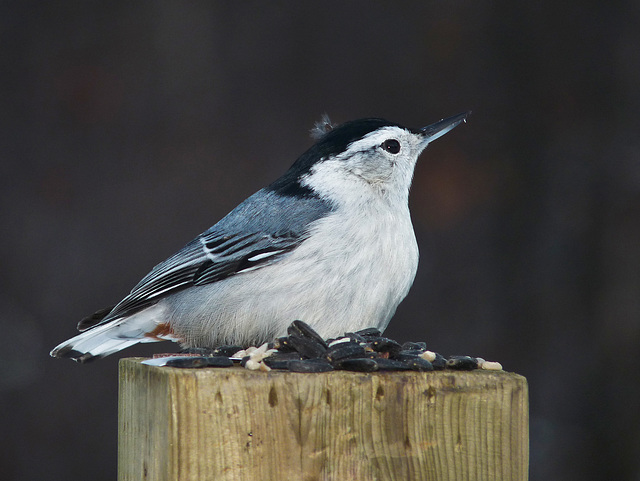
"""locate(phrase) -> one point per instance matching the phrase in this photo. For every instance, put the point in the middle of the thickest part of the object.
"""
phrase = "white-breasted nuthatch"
(330, 242)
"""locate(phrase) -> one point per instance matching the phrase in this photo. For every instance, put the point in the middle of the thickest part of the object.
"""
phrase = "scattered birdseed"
(340, 340)
(462, 363)
(252, 365)
(310, 365)
(239, 354)
(386, 345)
(344, 351)
(491, 366)
(308, 347)
(261, 353)
(407, 355)
(198, 362)
(264, 367)
(390, 365)
(369, 332)
(228, 351)
(439, 362)
(301, 329)
(419, 364)
(303, 350)
(358, 364)
(280, 360)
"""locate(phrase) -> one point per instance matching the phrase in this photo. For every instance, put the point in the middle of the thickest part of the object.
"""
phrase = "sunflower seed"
(384, 344)
(369, 332)
(226, 350)
(358, 364)
(391, 365)
(462, 363)
(439, 362)
(419, 364)
(406, 355)
(302, 329)
(310, 365)
(199, 362)
(307, 346)
(344, 351)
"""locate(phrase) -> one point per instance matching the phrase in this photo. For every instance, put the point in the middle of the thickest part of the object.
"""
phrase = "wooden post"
(234, 424)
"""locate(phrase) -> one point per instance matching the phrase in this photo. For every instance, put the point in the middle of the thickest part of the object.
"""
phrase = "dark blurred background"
(127, 128)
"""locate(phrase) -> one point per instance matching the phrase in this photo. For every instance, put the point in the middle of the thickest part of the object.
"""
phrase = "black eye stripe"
(391, 145)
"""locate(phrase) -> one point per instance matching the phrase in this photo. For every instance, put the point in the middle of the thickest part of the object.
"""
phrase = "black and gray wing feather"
(257, 233)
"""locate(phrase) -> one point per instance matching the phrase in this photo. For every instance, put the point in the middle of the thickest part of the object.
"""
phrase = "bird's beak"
(437, 130)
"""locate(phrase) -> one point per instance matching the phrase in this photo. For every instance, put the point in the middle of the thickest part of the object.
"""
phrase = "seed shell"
(274, 363)
(226, 350)
(282, 344)
(307, 346)
(428, 355)
(384, 344)
(462, 363)
(391, 365)
(280, 360)
(362, 364)
(356, 337)
(302, 329)
(304, 350)
(199, 362)
(491, 366)
(369, 332)
(405, 356)
(252, 365)
(439, 362)
(344, 351)
(310, 365)
(419, 364)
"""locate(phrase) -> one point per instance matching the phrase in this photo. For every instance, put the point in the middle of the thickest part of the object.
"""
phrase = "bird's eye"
(391, 145)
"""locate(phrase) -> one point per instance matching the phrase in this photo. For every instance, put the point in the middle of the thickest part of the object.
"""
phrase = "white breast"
(368, 270)
(350, 274)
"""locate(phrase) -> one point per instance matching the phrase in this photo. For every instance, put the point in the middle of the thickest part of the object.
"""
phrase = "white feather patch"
(257, 257)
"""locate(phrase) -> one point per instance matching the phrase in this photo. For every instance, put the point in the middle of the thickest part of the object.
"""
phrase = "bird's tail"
(116, 335)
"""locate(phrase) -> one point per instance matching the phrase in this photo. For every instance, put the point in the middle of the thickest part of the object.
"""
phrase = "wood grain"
(235, 424)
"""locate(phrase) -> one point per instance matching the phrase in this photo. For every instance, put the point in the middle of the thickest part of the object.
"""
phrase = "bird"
(330, 242)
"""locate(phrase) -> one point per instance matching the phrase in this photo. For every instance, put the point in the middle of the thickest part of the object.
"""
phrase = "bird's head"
(357, 158)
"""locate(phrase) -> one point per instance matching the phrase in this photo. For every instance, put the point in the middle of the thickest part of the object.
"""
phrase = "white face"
(381, 163)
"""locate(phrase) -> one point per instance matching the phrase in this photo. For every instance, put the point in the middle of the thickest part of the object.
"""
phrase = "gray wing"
(257, 233)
